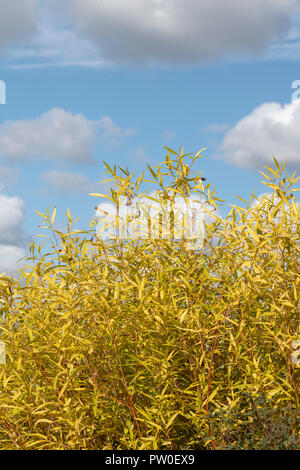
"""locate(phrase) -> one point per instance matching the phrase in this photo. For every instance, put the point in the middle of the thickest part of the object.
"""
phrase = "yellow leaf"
(172, 419)
(53, 216)
(29, 332)
(47, 421)
(273, 392)
(63, 390)
(100, 195)
(170, 150)
(42, 215)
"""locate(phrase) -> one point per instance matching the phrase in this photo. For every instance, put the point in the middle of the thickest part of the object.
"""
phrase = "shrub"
(144, 344)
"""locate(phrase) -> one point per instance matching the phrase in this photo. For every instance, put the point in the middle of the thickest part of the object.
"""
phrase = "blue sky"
(88, 81)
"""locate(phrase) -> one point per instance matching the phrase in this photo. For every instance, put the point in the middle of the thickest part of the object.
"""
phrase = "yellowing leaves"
(141, 345)
(43, 420)
(63, 389)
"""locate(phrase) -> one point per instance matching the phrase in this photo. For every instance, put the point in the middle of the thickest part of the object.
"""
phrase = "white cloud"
(140, 156)
(269, 130)
(110, 132)
(65, 182)
(95, 33)
(56, 135)
(174, 32)
(11, 234)
(68, 183)
(11, 217)
(289, 48)
(55, 43)
(10, 258)
(18, 21)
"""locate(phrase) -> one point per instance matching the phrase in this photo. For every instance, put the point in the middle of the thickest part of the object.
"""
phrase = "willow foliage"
(145, 344)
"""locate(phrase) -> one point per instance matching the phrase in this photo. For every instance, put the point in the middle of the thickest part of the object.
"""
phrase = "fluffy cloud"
(97, 33)
(10, 257)
(67, 183)
(56, 42)
(269, 130)
(173, 31)
(11, 217)
(112, 133)
(288, 49)
(12, 238)
(18, 20)
(56, 135)
(140, 156)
